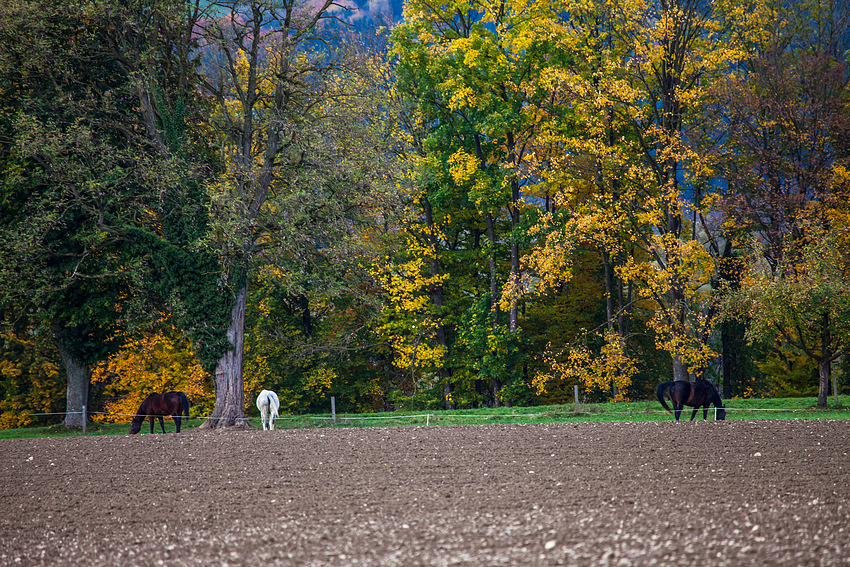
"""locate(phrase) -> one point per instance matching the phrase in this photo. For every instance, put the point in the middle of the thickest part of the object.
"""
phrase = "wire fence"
(577, 414)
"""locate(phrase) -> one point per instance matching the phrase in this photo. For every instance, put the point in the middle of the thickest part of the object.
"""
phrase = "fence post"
(85, 418)
(333, 409)
(575, 391)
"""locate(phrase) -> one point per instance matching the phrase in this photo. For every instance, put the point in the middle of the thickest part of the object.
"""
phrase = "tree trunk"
(494, 294)
(834, 387)
(825, 361)
(824, 372)
(609, 304)
(731, 336)
(79, 380)
(437, 298)
(727, 357)
(306, 317)
(494, 287)
(513, 320)
(448, 388)
(229, 407)
(680, 371)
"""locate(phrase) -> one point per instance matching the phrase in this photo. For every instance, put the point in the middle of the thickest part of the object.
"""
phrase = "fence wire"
(427, 416)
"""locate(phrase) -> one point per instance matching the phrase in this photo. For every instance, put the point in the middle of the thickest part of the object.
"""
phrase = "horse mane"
(142, 412)
(715, 395)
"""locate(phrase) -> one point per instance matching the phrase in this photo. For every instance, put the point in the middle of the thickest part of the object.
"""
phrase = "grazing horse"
(158, 406)
(699, 394)
(268, 404)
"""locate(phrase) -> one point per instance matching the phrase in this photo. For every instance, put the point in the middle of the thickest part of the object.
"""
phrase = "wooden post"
(575, 391)
(333, 409)
(85, 418)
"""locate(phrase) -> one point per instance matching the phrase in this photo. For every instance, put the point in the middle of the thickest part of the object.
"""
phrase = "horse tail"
(184, 401)
(659, 392)
(274, 404)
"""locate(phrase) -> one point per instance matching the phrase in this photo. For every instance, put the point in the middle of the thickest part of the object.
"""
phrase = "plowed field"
(734, 493)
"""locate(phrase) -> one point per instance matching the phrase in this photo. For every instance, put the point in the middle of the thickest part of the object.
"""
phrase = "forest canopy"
(469, 204)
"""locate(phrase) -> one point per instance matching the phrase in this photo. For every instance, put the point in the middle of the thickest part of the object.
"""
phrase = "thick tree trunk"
(448, 388)
(229, 407)
(680, 371)
(824, 372)
(79, 380)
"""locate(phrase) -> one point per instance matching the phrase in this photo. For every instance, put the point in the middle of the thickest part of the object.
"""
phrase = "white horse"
(268, 404)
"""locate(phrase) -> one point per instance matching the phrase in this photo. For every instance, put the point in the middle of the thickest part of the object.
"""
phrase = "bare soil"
(709, 493)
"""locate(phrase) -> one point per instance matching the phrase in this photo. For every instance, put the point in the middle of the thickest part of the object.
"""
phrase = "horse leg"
(677, 410)
(263, 417)
(694, 414)
(161, 424)
(151, 419)
(177, 422)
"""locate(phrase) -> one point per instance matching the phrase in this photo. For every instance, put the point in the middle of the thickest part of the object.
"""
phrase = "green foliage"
(791, 375)
(490, 353)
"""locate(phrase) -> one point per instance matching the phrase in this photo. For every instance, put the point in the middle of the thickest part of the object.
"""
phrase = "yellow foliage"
(612, 369)
(839, 209)
(319, 381)
(410, 325)
(155, 362)
(28, 368)
(462, 166)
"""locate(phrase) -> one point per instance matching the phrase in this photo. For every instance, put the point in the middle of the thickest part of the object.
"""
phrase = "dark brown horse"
(158, 406)
(699, 394)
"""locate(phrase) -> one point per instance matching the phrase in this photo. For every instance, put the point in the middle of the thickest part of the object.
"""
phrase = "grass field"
(736, 409)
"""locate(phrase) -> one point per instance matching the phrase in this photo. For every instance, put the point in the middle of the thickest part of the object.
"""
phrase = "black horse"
(699, 394)
(159, 405)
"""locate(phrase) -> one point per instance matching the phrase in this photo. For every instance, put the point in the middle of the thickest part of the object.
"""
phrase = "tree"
(290, 189)
(466, 66)
(30, 374)
(619, 156)
(76, 174)
(157, 360)
(805, 300)
(107, 209)
(785, 122)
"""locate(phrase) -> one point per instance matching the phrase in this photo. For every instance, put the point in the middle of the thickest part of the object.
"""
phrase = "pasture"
(765, 492)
